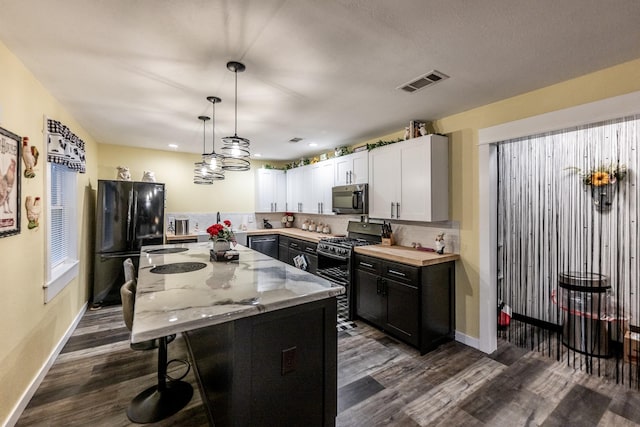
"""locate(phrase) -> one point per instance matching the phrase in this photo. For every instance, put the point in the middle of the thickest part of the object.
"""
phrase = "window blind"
(61, 206)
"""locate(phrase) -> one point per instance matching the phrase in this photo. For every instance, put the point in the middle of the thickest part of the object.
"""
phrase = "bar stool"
(166, 397)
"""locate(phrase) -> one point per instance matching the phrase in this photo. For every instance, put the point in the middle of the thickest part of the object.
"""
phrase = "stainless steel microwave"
(350, 199)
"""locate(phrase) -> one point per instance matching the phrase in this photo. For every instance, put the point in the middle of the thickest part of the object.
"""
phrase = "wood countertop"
(171, 236)
(406, 255)
(309, 236)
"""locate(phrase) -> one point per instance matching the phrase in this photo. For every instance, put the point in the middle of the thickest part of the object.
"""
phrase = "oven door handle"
(332, 279)
(338, 257)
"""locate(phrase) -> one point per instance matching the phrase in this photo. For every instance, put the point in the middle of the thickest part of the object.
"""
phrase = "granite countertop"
(220, 292)
(406, 255)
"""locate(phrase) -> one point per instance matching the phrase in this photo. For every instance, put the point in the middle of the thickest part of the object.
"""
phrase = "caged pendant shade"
(201, 171)
(214, 160)
(235, 148)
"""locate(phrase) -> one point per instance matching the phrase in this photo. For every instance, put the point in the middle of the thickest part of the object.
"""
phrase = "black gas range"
(335, 254)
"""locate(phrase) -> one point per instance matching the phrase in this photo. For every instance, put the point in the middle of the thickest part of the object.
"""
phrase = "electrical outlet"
(289, 360)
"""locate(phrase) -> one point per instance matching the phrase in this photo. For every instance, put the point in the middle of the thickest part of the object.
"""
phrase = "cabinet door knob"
(392, 205)
(398, 210)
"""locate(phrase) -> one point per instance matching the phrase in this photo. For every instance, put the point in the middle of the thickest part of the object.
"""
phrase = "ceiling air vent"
(428, 79)
(294, 140)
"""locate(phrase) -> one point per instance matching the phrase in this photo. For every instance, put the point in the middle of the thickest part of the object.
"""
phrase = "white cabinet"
(296, 184)
(409, 180)
(322, 184)
(271, 190)
(352, 168)
(309, 188)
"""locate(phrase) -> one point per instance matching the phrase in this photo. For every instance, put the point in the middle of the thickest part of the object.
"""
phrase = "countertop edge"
(296, 233)
(417, 259)
(241, 313)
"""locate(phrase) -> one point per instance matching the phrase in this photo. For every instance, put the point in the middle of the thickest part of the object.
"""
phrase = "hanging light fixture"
(214, 160)
(236, 149)
(201, 171)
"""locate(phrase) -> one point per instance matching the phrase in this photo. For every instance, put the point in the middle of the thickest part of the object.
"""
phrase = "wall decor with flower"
(603, 182)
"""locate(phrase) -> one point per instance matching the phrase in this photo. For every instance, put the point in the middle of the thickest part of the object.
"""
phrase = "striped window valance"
(64, 147)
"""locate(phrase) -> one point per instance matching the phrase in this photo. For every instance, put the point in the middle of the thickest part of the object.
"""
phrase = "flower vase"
(221, 245)
(603, 196)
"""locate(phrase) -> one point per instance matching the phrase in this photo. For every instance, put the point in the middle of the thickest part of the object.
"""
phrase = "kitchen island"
(261, 333)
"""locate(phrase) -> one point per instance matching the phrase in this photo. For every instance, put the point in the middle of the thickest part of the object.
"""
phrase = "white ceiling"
(137, 72)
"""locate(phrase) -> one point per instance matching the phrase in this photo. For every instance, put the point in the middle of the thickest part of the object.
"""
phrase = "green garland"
(382, 143)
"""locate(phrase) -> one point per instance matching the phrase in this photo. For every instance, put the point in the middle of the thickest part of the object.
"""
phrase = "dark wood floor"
(380, 382)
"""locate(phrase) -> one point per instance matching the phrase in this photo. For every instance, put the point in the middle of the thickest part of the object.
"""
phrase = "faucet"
(218, 218)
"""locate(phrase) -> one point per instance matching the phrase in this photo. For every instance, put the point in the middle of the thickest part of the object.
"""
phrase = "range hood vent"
(425, 80)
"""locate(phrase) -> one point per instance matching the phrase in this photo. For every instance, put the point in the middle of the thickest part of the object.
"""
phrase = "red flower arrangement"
(222, 231)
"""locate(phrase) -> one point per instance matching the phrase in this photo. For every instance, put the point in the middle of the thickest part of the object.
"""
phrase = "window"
(62, 250)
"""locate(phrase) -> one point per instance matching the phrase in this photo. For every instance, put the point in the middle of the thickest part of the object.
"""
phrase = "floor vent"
(428, 79)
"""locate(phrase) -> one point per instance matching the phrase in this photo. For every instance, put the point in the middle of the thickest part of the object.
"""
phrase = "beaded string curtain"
(64, 147)
(559, 218)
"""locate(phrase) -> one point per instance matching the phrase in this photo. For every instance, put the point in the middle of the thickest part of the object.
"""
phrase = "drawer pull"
(313, 251)
(366, 264)
(397, 273)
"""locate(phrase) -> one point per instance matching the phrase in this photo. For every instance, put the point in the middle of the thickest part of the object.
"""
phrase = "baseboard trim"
(33, 387)
(467, 340)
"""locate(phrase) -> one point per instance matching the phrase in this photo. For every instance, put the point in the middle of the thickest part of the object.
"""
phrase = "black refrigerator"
(130, 215)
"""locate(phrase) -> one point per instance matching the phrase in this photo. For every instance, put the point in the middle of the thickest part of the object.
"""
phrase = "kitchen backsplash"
(199, 221)
(405, 233)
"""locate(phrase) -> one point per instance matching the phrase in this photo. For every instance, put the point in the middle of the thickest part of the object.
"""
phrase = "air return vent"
(294, 140)
(428, 79)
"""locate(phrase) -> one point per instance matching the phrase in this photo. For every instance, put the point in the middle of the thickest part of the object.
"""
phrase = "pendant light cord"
(213, 127)
(235, 129)
(204, 136)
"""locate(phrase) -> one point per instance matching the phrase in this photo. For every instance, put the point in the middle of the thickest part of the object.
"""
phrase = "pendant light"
(235, 148)
(214, 160)
(201, 171)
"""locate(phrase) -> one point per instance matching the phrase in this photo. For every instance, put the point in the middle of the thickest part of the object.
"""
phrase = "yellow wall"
(235, 193)
(30, 329)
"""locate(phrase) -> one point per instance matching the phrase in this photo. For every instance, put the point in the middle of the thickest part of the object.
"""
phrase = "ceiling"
(138, 72)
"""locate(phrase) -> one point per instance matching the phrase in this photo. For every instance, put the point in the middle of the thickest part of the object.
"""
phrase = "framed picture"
(9, 183)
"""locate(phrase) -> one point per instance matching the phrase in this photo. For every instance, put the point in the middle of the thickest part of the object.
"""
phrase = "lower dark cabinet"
(402, 310)
(297, 247)
(283, 249)
(369, 301)
(413, 304)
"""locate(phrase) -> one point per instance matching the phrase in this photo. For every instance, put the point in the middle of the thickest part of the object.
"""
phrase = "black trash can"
(584, 300)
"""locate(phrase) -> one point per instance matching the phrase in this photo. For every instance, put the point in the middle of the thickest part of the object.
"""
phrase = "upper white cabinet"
(352, 168)
(309, 188)
(271, 190)
(322, 184)
(409, 180)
